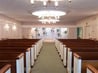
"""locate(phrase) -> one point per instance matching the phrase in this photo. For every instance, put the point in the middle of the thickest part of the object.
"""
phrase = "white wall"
(10, 33)
(72, 33)
(28, 26)
(90, 27)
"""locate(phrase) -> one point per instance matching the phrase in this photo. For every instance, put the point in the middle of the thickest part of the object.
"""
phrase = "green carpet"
(48, 61)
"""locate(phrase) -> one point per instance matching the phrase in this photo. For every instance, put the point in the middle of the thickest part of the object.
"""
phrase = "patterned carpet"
(48, 61)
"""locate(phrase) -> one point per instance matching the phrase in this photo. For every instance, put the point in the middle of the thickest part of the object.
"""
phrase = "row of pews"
(18, 55)
(78, 55)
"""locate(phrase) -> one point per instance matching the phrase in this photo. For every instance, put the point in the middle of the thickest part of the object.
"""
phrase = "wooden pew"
(65, 51)
(5, 68)
(21, 43)
(92, 68)
(21, 40)
(25, 50)
(63, 47)
(75, 43)
(36, 44)
(77, 49)
(13, 44)
(15, 59)
(17, 44)
(76, 40)
(72, 43)
(81, 59)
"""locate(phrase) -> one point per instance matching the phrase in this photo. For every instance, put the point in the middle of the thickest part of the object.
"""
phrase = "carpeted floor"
(48, 61)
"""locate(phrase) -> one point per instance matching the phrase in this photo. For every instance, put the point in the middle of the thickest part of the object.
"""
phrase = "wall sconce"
(14, 27)
(6, 27)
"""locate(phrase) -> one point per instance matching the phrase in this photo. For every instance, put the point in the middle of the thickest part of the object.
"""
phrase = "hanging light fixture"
(44, 21)
(45, 2)
(49, 16)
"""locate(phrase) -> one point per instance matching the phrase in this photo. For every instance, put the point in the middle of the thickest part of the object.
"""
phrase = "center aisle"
(48, 61)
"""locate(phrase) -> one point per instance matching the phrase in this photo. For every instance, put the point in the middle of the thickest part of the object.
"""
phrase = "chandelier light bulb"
(32, 1)
(56, 3)
(44, 3)
(69, 1)
(44, 21)
(58, 17)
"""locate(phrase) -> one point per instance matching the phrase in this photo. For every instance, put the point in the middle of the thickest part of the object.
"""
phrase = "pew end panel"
(32, 56)
(28, 60)
(77, 63)
(69, 61)
(65, 56)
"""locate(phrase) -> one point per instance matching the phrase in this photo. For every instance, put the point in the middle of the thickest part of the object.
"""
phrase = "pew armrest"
(20, 55)
(92, 69)
(77, 56)
(5, 68)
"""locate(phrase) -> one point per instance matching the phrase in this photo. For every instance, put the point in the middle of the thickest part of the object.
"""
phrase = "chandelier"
(45, 2)
(44, 21)
(49, 16)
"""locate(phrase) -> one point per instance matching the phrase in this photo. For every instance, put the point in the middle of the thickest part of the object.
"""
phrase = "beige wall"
(72, 33)
(89, 24)
(90, 27)
(10, 33)
(26, 32)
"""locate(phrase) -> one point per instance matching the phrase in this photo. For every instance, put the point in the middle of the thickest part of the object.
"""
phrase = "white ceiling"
(21, 10)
